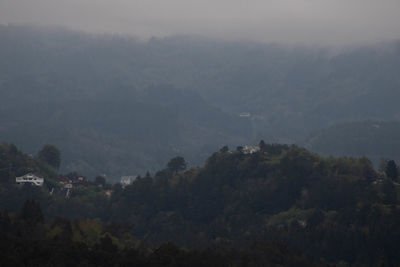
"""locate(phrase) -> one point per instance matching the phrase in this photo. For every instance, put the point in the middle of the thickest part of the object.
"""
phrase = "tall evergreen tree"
(177, 164)
(391, 170)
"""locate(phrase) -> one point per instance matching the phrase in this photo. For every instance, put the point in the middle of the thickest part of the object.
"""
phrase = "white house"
(127, 180)
(250, 149)
(29, 179)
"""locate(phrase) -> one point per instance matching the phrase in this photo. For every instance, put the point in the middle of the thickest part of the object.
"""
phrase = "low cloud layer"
(292, 21)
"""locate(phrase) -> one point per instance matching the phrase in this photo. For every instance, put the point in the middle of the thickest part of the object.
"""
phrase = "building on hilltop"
(250, 149)
(29, 178)
(68, 183)
(80, 180)
(63, 180)
(127, 180)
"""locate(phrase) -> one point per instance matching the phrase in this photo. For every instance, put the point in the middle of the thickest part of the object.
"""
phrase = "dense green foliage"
(391, 170)
(50, 155)
(104, 102)
(27, 241)
(336, 209)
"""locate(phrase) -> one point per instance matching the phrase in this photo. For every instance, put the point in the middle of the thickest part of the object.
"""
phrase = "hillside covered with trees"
(276, 202)
(26, 239)
(118, 106)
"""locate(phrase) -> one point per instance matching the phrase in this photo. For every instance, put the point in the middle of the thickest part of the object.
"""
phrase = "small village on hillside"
(65, 185)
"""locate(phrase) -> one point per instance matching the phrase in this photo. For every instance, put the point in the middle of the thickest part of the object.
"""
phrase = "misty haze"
(199, 133)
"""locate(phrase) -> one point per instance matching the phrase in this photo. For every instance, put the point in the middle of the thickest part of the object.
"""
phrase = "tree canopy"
(391, 170)
(177, 164)
(281, 193)
(50, 155)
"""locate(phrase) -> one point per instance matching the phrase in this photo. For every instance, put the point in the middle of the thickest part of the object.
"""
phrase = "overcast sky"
(294, 21)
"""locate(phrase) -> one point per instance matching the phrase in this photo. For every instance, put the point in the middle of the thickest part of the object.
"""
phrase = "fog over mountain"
(199, 133)
(288, 21)
(117, 106)
(121, 86)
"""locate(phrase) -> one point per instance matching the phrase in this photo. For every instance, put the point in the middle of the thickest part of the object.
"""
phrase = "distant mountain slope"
(118, 136)
(92, 94)
(373, 139)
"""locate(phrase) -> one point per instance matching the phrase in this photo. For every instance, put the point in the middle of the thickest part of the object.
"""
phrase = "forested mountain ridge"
(59, 86)
(336, 209)
(376, 140)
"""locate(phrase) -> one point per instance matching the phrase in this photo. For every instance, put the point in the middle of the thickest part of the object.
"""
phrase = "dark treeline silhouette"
(27, 240)
(335, 209)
